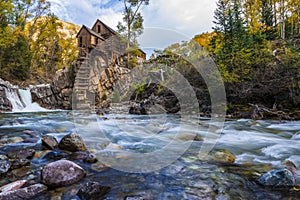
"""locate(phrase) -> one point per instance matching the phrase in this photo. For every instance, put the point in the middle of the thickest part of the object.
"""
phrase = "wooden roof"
(106, 26)
(90, 31)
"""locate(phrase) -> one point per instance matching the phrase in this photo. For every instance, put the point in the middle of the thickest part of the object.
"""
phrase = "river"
(155, 157)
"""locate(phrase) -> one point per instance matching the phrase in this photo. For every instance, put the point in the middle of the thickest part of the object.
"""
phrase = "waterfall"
(27, 100)
(14, 99)
(21, 101)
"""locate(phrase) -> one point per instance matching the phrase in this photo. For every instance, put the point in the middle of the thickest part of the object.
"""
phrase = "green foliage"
(116, 97)
(139, 88)
(31, 43)
(132, 25)
(16, 60)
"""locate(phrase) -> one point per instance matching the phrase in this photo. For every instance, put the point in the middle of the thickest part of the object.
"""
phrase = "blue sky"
(182, 17)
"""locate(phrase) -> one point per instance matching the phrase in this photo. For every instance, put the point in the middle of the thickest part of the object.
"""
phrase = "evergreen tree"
(16, 60)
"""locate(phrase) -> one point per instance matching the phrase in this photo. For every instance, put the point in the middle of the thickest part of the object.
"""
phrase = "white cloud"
(189, 17)
(186, 17)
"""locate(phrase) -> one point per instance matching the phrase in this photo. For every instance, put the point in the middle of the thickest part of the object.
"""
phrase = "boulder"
(72, 142)
(277, 178)
(24, 193)
(61, 173)
(93, 191)
(49, 142)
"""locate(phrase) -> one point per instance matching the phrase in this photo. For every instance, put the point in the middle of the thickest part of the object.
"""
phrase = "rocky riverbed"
(62, 155)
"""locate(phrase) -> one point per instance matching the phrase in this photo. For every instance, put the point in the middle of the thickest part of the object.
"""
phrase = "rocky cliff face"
(57, 94)
(5, 104)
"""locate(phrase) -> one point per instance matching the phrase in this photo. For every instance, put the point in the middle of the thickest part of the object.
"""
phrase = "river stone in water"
(23, 153)
(49, 142)
(72, 142)
(93, 191)
(223, 156)
(24, 193)
(13, 186)
(4, 166)
(18, 163)
(277, 178)
(62, 172)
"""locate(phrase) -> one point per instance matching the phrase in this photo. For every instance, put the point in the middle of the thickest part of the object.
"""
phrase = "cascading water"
(27, 100)
(14, 99)
(22, 102)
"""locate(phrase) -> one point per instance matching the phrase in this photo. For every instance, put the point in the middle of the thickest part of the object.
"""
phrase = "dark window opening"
(99, 28)
(80, 41)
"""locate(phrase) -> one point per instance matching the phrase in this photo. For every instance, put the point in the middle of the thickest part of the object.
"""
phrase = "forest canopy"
(33, 42)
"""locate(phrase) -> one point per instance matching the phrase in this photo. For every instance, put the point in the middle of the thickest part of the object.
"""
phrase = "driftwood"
(262, 112)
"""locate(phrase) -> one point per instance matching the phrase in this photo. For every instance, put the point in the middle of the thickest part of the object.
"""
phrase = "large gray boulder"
(61, 173)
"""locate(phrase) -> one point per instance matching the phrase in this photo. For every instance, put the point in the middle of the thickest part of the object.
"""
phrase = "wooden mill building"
(103, 39)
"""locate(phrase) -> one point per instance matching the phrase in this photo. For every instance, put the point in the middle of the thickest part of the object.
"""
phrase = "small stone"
(55, 155)
(23, 153)
(40, 154)
(3, 157)
(223, 156)
(22, 172)
(13, 186)
(61, 173)
(79, 155)
(83, 155)
(72, 142)
(18, 163)
(91, 158)
(12, 140)
(198, 138)
(24, 193)
(49, 142)
(93, 190)
(4, 166)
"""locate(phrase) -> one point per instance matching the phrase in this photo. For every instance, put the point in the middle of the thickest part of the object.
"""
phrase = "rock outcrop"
(5, 104)
(57, 94)
(154, 99)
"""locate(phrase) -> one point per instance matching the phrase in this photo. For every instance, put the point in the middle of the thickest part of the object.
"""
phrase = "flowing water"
(21, 101)
(126, 144)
